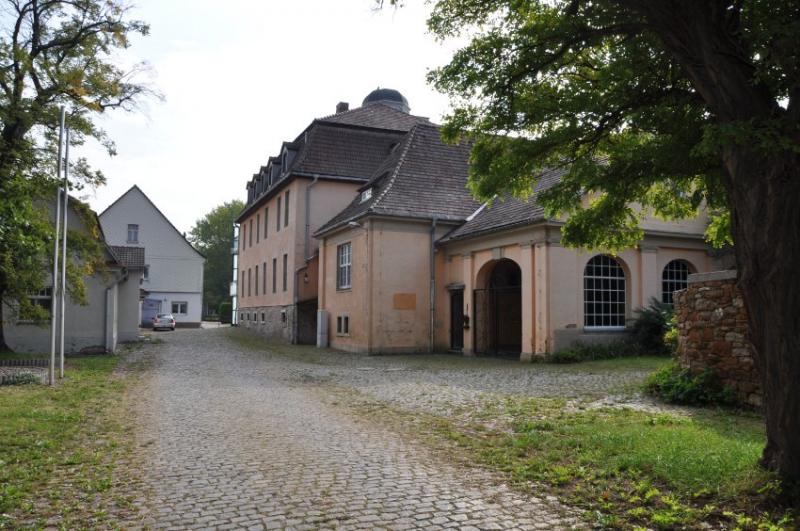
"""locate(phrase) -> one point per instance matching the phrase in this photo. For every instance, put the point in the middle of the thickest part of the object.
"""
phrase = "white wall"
(194, 301)
(176, 269)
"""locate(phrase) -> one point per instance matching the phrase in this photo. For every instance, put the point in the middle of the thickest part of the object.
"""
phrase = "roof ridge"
(400, 162)
(354, 109)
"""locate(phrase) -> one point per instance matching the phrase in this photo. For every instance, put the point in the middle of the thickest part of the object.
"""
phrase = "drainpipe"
(433, 282)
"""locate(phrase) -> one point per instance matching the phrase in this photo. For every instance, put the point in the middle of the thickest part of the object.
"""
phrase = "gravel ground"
(229, 437)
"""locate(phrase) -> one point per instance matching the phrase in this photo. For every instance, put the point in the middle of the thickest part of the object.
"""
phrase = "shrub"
(675, 384)
(651, 324)
(20, 378)
(602, 351)
(225, 309)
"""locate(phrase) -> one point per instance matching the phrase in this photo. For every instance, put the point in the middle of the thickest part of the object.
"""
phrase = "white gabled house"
(173, 279)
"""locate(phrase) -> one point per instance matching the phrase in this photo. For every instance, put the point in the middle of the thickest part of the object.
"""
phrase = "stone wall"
(713, 333)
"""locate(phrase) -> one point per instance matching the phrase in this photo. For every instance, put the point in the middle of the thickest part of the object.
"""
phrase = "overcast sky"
(241, 76)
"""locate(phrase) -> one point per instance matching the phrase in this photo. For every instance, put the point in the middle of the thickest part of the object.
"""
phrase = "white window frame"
(344, 266)
(612, 290)
(133, 228)
(670, 279)
(179, 303)
(366, 195)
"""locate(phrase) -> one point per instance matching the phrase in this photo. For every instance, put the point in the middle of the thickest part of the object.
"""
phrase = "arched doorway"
(498, 310)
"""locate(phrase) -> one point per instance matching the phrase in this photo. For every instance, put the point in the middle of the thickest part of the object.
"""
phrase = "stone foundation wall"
(273, 322)
(713, 333)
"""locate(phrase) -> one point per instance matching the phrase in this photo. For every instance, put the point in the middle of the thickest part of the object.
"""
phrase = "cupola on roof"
(389, 97)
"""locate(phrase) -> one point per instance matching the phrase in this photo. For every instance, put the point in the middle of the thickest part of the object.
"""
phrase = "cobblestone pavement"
(455, 386)
(233, 438)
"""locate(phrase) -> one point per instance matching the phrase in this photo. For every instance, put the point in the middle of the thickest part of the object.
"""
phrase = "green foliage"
(604, 90)
(53, 54)
(651, 325)
(677, 385)
(20, 378)
(225, 309)
(580, 352)
(213, 236)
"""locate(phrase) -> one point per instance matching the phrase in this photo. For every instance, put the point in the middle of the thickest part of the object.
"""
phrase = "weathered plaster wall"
(714, 334)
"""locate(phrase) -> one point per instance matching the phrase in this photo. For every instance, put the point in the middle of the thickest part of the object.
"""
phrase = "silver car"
(164, 320)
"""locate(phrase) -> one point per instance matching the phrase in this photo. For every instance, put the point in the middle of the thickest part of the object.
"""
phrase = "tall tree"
(213, 236)
(670, 104)
(53, 53)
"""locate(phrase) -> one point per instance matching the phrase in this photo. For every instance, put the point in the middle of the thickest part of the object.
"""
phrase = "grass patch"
(625, 469)
(58, 446)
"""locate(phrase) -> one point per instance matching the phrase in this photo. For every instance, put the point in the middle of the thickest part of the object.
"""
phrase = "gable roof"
(423, 178)
(507, 212)
(165, 218)
(378, 116)
(130, 257)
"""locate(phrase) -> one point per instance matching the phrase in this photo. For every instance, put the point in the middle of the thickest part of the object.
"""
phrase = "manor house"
(360, 234)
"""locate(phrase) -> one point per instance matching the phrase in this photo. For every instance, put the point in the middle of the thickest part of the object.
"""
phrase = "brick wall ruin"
(713, 333)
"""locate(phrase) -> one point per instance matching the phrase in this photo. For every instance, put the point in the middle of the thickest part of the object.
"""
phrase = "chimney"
(342, 106)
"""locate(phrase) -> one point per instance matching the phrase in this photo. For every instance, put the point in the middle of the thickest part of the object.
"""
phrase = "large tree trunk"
(765, 209)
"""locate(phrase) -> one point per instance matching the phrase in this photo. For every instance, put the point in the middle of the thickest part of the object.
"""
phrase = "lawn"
(58, 446)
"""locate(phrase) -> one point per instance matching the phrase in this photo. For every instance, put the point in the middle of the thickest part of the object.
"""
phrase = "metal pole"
(64, 249)
(54, 288)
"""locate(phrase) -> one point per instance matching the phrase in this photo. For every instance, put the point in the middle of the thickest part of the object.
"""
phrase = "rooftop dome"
(389, 97)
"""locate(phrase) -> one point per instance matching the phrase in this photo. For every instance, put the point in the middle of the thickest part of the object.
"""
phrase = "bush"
(225, 309)
(581, 352)
(20, 378)
(675, 384)
(651, 325)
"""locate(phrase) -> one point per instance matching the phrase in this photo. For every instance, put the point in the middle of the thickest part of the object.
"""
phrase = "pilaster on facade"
(650, 276)
(528, 309)
(541, 293)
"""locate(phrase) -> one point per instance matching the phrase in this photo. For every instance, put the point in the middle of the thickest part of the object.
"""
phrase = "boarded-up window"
(405, 301)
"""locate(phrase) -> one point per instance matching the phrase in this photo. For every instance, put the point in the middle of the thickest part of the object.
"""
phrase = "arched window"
(674, 277)
(603, 293)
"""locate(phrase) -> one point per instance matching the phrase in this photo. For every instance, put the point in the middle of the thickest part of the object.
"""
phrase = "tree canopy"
(213, 236)
(54, 53)
(591, 86)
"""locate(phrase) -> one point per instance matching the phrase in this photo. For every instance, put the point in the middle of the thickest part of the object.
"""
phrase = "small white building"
(173, 280)
(111, 312)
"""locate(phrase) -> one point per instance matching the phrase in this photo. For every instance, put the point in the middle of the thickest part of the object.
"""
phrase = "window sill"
(344, 290)
(601, 329)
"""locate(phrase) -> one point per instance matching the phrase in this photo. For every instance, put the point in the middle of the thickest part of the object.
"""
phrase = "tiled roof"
(130, 257)
(334, 151)
(378, 116)
(344, 151)
(507, 212)
(422, 178)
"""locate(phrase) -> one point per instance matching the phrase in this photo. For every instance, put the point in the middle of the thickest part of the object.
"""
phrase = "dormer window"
(366, 195)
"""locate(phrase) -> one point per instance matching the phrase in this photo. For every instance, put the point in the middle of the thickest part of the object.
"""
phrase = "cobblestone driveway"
(230, 438)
